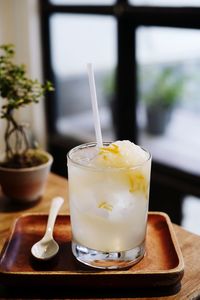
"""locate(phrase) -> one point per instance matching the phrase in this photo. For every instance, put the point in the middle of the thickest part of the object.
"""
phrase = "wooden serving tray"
(162, 265)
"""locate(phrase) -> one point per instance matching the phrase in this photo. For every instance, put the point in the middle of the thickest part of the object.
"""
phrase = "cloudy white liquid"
(109, 197)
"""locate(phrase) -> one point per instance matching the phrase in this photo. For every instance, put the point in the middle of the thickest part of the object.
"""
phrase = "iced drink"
(108, 194)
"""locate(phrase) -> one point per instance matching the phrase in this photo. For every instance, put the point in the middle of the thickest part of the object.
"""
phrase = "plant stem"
(20, 137)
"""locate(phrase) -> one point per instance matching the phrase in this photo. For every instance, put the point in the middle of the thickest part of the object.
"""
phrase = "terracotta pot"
(27, 184)
(158, 118)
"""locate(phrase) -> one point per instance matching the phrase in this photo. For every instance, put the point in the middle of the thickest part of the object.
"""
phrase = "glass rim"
(98, 168)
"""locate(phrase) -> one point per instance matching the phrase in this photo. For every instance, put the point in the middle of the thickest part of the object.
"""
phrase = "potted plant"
(161, 89)
(23, 166)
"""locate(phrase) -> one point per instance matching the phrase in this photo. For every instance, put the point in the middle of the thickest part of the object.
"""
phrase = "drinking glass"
(108, 209)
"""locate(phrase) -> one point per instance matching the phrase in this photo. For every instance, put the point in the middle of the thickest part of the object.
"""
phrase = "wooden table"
(189, 244)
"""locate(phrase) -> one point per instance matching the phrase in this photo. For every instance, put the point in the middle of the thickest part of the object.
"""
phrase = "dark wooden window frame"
(128, 18)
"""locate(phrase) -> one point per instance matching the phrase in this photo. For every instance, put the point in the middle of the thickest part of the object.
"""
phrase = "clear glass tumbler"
(108, 208)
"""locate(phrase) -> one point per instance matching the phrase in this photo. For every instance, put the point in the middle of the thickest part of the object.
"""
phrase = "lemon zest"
(105, 205)
(110, 149)
(138, 183)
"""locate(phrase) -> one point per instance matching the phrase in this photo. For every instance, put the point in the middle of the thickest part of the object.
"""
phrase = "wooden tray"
(162, 265)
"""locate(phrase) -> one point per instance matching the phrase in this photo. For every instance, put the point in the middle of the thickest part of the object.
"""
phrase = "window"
(72, 47)
(138, 47)
(181, 58)
(169, 3)
(83, 2)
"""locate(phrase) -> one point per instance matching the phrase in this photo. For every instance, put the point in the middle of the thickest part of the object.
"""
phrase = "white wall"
(19, 25)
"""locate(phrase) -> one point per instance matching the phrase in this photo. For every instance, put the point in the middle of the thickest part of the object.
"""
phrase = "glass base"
(108, 260)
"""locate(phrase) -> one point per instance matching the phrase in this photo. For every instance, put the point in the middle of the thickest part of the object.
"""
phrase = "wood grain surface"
(188, 242)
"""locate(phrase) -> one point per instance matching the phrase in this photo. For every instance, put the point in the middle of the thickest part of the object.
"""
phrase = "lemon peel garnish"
(110, 149)
(105, 205)
(110, 156)
(138, 183)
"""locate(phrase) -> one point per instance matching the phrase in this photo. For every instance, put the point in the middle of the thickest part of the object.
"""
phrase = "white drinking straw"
(95, 110)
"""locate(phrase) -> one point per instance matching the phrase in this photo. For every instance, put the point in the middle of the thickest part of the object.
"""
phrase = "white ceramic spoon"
(47, 247)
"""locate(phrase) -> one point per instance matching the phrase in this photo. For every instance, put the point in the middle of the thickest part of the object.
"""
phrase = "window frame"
(128, 18)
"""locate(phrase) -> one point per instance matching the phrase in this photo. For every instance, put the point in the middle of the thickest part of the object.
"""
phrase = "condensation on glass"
(168, 77)
(77, 40)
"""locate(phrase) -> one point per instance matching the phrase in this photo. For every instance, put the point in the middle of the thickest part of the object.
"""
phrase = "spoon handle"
(55, 207)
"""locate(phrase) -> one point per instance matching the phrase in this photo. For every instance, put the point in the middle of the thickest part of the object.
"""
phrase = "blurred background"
(146, 57)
